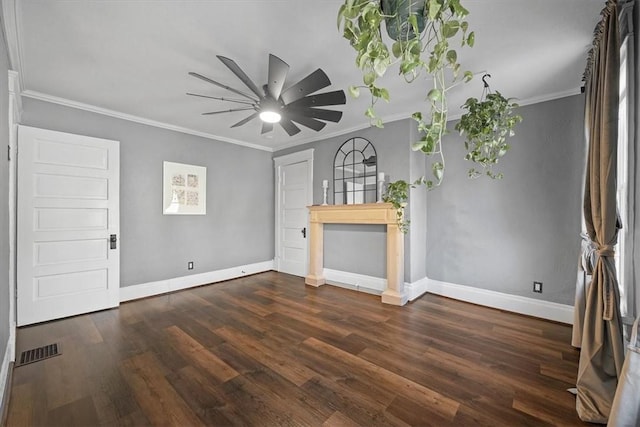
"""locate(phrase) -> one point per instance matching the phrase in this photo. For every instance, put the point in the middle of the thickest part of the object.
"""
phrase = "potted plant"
(398, 22)
(486, 125)
(397, 193)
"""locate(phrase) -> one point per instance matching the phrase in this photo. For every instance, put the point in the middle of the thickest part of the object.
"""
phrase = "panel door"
(68, 215)
(293, 218)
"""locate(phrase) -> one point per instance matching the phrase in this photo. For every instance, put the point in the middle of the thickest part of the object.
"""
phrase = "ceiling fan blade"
(289, 127)
(227, 111)
(321, 113)
(231, 64)
(309, 122)
(213, 82)
(245, 120)
(336, 97)
(266, 128)
(219, 98)
(312, 83)
(278, 70)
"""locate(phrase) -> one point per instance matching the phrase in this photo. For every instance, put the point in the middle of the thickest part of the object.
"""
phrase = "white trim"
(297, 157)
(522, 305)
(278, 163)
(15, 113)
(137, 119)
(514, 303)
(364, 125)
(144, 290)
(354, 281)
(14, 89)
(417, 289)
(4, 370)
(322, 137)
(406, 115)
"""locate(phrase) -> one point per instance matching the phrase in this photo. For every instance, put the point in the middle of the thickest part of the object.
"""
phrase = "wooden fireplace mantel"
(368, 213)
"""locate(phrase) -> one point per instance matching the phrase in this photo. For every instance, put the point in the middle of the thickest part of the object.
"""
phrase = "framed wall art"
(184, 189)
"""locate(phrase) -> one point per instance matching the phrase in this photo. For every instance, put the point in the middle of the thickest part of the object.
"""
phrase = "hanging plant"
(424, 33)
(486, 125)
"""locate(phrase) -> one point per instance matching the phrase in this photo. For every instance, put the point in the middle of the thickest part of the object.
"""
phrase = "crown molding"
(129, 117)
(407, 115)
(387, 119)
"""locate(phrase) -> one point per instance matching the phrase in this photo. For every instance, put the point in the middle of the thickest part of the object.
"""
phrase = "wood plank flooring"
(266, 350)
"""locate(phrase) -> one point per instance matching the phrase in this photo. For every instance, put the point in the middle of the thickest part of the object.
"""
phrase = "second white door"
(294, 174)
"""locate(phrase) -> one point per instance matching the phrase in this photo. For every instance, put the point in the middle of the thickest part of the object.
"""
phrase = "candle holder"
(325, 187)
(380, 186)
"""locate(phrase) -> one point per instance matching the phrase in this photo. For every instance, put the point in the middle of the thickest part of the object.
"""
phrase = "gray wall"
(238, 228)
(497, 235)
(4, 199)
(502, 235)
(416, 210)
(362, 248)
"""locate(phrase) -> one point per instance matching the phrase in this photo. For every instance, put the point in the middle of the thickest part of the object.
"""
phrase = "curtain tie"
(589, 254)
(606, 250)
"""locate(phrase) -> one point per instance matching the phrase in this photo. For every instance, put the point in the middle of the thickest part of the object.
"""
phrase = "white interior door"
(294, 193)
(68, 215)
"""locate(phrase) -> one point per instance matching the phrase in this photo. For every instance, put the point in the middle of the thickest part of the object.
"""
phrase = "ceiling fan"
(272, 104)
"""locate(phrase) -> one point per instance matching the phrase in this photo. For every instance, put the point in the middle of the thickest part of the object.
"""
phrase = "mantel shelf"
(368, 213)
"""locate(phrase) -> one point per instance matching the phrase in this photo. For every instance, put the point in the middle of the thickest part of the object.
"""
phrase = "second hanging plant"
(486, 125)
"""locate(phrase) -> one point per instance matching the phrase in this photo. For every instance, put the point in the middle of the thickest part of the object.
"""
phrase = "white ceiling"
(132, 57)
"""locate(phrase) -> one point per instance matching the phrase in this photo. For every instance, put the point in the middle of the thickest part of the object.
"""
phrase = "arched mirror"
(355, 171)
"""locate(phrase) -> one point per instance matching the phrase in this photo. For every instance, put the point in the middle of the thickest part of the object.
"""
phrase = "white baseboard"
(522, 305)
(354, 281)
(144, 290)
(417, 289)
(4, 371)
(528, 306)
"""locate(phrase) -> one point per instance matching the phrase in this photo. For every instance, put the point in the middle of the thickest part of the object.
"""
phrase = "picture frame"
(184, 189)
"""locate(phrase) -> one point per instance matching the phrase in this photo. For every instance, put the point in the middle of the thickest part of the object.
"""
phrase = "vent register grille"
(40, 353)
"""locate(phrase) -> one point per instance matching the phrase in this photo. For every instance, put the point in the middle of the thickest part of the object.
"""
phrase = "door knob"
(113, 240)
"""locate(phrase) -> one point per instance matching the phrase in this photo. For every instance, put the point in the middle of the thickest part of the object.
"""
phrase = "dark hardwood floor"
(266, 350)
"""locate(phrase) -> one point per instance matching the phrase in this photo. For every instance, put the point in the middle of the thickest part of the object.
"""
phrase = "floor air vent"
(40, 353)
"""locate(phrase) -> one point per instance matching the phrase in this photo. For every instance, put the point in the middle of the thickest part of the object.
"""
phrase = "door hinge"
(8, 153)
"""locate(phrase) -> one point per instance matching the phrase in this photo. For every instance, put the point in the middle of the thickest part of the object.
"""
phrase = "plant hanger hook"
(486, 90)
(486, 84)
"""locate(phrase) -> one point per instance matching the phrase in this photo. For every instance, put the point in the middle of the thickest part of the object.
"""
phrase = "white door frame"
(279, 163)
(15, 111)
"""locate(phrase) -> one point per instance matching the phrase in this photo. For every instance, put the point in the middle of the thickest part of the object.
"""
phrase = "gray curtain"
(602, 348)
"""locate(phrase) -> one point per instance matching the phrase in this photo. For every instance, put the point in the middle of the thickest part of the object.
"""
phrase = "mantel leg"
(395, 293)
(316, 263)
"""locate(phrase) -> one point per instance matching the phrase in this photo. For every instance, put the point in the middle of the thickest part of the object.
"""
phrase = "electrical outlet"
(190, 265)
(537, 287)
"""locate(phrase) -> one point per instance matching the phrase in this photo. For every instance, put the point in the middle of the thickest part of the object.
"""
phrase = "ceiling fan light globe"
(270, 116)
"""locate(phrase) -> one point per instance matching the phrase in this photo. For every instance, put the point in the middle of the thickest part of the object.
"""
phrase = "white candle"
(325, 183)
(381, 176)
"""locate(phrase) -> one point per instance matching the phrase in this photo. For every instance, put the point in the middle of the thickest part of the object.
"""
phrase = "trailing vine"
(432, 52)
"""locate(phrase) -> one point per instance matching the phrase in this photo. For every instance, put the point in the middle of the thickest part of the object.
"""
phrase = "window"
(624, 181)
